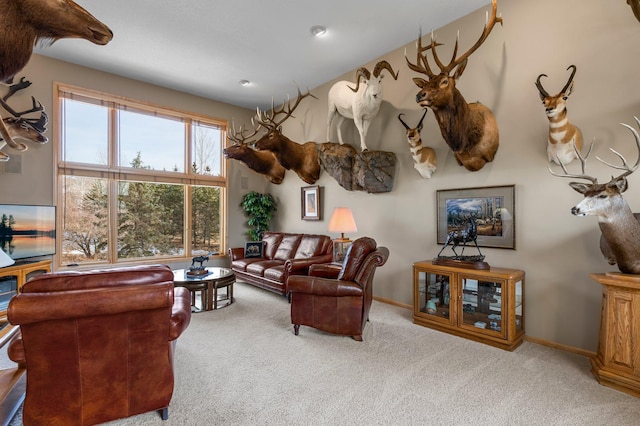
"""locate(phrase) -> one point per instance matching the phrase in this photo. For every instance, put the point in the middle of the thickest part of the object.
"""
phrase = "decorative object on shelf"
(620, 240)
(311, 203)
(29, 129)
(466, 233)
(260, 209)
(196, 271)
(470, 130)
(493, 208)
(5, 260)
(253, 249)
(424, 157)
(341, 221)
(301, 158)
(262, 162)
(45, 21)
(562, 134)
(370, 171)
(361, 103)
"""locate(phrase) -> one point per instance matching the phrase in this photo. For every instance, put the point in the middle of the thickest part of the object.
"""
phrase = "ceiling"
(206, 47)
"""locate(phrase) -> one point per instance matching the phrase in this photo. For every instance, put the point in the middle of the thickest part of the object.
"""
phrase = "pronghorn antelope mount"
(424, 157)
(361, 103)
(25, 22)
(635, 7)
(562, 134)
(301, 158)
(470, 130)
(620, 242)
(29, 129)
(262, 162)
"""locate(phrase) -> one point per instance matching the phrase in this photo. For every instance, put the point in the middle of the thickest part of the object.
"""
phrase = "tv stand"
(13, 380)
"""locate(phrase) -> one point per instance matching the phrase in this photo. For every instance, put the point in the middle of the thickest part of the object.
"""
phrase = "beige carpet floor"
(243, 365)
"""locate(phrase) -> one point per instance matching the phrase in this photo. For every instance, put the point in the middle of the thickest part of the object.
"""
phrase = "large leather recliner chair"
(98, 345)
(337, 300)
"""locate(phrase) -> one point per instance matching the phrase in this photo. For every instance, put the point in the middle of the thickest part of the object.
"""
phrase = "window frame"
(115, 173)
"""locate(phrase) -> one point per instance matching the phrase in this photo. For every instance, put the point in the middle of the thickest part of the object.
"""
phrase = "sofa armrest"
(180, 313)
(236, 253)
(323, 286)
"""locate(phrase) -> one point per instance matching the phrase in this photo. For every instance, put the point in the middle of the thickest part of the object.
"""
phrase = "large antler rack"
(239, 137)
(422, 64)
(268, 120)
(624, 166)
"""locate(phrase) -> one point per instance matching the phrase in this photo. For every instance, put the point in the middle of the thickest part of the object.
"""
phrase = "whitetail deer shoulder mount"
(361, 103)
(562, 134)
(24, 22)
(301, 158)
(620, 242)
(25, 128)
(470, 130)
(424, 157)
(262, 162)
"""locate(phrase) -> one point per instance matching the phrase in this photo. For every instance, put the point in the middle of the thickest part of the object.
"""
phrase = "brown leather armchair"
(98, 345)
(337, 300)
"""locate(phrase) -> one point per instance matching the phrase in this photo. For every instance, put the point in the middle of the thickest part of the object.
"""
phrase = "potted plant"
(259, 208)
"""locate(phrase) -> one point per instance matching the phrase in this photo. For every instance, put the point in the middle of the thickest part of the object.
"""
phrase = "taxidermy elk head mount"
(620, 229)
(25, 22)
(262, 162)
(470, 130)
(562, 134)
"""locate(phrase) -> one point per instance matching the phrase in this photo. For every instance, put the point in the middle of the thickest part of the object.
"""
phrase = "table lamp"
(341, 221)
(5, 260)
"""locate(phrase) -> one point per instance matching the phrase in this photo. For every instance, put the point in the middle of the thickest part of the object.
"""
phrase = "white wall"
(555, 249)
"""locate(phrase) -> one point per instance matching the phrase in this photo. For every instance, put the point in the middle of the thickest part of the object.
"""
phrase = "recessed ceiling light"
(318, 30)
(244, 82)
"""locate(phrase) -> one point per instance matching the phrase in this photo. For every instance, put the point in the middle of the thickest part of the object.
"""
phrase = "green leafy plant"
(259, 208)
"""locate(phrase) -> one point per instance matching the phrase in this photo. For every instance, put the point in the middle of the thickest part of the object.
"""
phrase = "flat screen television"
(27, 231)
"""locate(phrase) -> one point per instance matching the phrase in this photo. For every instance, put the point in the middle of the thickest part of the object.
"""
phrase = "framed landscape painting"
(492, 207)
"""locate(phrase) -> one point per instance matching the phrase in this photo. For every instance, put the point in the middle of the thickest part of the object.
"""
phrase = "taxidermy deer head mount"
(562, 134)
(361, 103)
(301, 158)
(19, 127)
(470, 130)
(620, 228)
(24, 22)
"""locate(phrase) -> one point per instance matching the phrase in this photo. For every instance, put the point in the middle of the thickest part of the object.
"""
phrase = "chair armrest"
(180, 313)
(325, 270)
(236, 253)
(323, 286)
(15, 351)
(294, 265)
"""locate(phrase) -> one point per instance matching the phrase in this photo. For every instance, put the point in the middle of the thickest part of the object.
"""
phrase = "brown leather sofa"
(338, 300)
(98, 345)
(284, 254)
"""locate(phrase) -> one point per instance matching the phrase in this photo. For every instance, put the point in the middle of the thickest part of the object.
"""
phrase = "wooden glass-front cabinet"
(482, 305)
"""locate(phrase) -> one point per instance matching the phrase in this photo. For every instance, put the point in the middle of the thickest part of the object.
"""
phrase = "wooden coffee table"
(216, 278)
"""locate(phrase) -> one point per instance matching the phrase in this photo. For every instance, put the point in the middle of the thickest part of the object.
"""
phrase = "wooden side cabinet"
(482, 305)
(12, 380)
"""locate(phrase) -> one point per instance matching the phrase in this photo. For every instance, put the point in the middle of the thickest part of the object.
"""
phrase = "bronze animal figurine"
(466, 234)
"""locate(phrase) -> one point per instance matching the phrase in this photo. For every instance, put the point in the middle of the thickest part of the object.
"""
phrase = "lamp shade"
(5, 260)
(342, 221)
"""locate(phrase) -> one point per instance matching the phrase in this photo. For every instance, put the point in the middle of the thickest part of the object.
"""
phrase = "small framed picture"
(253, 249)
(311, 204)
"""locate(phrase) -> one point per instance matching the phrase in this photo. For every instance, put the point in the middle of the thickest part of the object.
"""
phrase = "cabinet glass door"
(519, 307)
(482, 304)
(433, 294)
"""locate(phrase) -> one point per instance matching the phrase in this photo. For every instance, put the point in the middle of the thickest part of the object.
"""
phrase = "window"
(136, 182)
